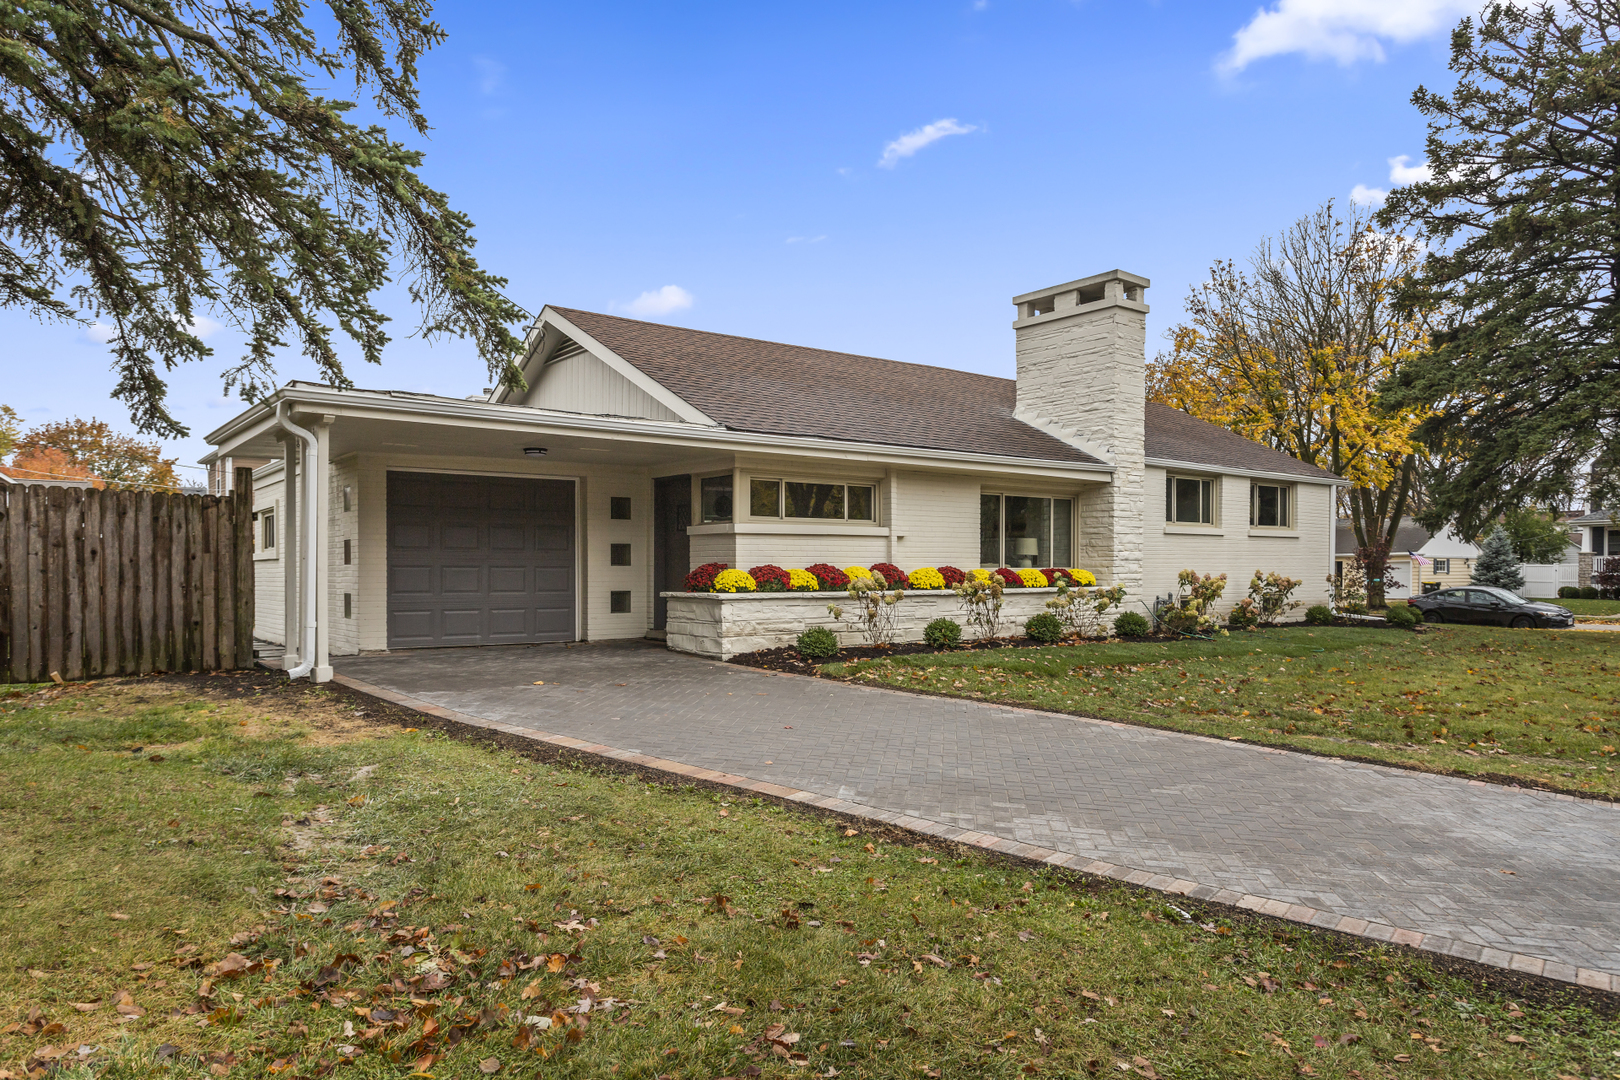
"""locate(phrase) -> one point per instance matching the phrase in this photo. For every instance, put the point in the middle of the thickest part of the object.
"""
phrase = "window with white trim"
(1019, 531)
(811, 501)
(1442, 566)
(1189, 500)
(1271, 506)
(267, 531)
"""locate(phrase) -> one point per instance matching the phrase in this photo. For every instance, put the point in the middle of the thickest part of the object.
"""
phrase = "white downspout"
(310, 463)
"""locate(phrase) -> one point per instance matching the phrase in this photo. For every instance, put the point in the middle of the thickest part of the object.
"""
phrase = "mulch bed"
(787, 658)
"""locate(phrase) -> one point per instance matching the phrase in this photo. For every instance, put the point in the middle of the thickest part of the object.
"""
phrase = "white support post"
(291, 551)
(320, 559)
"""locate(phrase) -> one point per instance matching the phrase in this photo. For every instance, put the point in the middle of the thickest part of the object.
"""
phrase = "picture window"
(1025, 531)
(765, 498)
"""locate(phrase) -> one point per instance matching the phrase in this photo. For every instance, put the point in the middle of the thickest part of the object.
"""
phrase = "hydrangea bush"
(890, 573)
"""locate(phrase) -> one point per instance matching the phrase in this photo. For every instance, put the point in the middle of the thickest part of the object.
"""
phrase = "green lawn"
(1587, 607)
(1540, 705)
(273, 884)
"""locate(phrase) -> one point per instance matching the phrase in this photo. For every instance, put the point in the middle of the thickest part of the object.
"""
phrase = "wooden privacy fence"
(96, 583)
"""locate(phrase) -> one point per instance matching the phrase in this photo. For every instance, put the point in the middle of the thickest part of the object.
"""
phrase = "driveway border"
(1468, 952)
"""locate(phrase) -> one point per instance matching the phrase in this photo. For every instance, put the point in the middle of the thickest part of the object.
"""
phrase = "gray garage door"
(476, 560)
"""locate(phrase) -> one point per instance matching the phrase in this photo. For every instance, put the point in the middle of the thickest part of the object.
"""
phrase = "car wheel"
(1433, 616)
(1523, 622)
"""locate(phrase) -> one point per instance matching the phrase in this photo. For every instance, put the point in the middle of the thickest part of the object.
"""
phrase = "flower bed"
(723, 625)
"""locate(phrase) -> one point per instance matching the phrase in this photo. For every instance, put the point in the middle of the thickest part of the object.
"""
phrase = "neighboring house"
(1417, 558)
(15, 477)
(1599, 543)
(639, 451)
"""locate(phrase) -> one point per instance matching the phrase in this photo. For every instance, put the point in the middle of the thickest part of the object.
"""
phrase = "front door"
(672, 548)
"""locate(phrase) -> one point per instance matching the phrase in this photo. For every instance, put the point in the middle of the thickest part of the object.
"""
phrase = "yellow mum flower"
(1032, 578)
(926, 577)
(734, 581)
(802, 581)
(981, 574)
(857, 571)
(1083, 577)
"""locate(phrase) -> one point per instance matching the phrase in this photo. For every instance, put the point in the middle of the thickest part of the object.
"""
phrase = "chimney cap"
(1095, 279)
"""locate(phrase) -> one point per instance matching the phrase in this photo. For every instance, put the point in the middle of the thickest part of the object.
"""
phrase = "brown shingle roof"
(772, 388)
(1172, 435)
(777, 389)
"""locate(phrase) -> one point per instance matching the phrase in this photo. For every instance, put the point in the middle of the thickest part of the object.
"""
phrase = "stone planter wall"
(723, 625)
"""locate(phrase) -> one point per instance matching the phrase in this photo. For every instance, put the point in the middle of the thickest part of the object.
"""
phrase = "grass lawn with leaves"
(1588, 607)
(237, 877)
(1539, 706)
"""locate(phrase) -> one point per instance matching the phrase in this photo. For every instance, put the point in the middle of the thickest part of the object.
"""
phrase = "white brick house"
(570, 511)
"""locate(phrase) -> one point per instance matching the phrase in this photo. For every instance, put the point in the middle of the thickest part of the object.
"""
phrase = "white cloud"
(1342, 30)
(1401, 173)
(913, 141)
(806, 239)
(489, 74)
(1362, 195)
(663, 301)
(200, 325)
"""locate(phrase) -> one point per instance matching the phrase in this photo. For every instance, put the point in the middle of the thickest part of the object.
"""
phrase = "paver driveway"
(1488, 871)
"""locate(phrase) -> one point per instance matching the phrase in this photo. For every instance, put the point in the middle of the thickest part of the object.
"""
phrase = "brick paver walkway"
(1510, 877)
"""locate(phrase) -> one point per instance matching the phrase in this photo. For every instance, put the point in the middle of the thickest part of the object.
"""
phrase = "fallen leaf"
(489, 1066)
(1145, 1067)
(1516, 1038)
(86, 1006)
(119, 915)
(1320, 1042)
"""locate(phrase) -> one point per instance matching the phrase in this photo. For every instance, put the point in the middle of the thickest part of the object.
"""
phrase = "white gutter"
(307, 548)
(524, 419)
(1233, 470)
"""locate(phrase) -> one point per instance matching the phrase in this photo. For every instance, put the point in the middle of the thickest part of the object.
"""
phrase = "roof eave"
(1258, 474)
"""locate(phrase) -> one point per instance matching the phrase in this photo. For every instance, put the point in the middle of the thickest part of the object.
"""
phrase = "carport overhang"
(423, 425)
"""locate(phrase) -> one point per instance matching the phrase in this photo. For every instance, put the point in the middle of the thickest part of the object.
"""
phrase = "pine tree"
(1497, 565)
(164, 161)
(1522, 382)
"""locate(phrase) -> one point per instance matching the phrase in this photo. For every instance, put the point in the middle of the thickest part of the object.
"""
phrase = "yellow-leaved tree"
(1292, 352)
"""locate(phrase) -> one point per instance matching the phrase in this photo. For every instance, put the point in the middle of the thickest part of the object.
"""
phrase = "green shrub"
(943, 633)
(1044, 627)
(817, 643)
(1569, 592)
(1402, 615)
(1318, 615)
(1131, 624)
(1589, 592)
(1245, 616)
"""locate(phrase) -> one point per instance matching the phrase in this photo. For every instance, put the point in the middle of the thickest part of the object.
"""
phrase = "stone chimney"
(1082, 369)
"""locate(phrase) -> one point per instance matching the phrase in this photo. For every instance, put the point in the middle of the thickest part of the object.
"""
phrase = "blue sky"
(877, 177)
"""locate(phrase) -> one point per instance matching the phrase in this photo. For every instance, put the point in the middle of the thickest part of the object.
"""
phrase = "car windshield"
(1504, 594)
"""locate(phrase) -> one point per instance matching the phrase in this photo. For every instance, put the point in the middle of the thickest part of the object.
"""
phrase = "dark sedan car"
(1491, 606)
